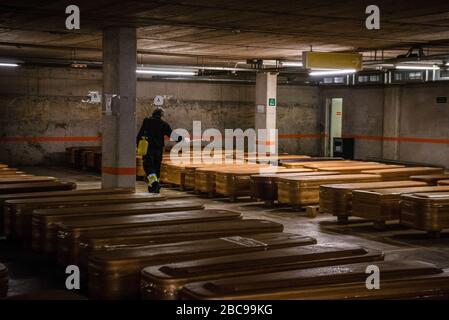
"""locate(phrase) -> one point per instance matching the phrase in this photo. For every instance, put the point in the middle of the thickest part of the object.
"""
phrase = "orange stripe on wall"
(119, 171)
(398, 139)
(49, 139)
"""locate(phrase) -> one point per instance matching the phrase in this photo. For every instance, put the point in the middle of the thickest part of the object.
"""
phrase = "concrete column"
(119, 108)
(391, 123)
(266, 103)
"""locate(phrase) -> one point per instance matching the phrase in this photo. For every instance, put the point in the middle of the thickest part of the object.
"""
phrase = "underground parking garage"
(211, 150)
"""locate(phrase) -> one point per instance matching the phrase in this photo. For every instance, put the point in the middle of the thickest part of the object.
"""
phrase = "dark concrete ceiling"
(193, 31)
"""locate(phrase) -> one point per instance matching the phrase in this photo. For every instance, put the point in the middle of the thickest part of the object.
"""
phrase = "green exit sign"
(272, 102)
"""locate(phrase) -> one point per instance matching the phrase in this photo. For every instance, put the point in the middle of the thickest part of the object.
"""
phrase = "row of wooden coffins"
(130, 245)
(89, 158)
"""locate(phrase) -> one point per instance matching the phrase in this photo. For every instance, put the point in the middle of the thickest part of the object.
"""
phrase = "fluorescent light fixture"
(8, 65)
(166, 72)
(332, 72)
(417, 67)
(292, 64)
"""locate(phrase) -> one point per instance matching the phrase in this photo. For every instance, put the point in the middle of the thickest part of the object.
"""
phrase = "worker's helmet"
(159, 112)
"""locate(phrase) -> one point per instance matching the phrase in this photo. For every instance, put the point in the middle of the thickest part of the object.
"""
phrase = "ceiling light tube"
(8, 65)
(417, 68)
(332, 72)
(166, 72)
(292, 64)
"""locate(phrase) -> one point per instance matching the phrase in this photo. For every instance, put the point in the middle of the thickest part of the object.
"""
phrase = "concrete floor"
(30, 272)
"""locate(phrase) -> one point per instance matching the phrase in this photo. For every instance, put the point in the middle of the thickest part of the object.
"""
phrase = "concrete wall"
(41, 112)
(396, 122)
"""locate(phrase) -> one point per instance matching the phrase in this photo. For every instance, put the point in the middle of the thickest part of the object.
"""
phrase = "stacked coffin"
(319, 163)
(404, 173)
(382, 205)
(302, 191)
(443, 183)
(430, 179)
(4, 279)
(166, 281)
(337, 198)
(358, 168)
(426, 211)
(264, 186)
(18, 213)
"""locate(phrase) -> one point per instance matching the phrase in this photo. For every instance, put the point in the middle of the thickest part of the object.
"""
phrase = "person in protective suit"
(155, 129)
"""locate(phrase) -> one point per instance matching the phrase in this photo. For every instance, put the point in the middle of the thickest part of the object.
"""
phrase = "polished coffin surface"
(45, 221)
(399, 280)
(4, 279)
(264, 186)
(93, 241)
(35, 187)
(27, 179)
(70, 230)
(443, 183)
(431, 179)
(404, 173)
(116, 274)
(425, 211)
(337, 198)
(299, 191)
(319, 163)
(19, 212)
(358, 168)
(165, 281)
(384, 204)
(22, 191)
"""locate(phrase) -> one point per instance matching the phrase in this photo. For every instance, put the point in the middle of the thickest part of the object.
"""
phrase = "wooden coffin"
(70, 230)
(92, 241)
(4, 280)
(314, 164)
(18, 213)
(336, 199)
(275, 159)
(164, 282)
(235, 182)
(3, 165)
(311, 159)
(381, 205)
(140, 171)
(301, 191)
(443, 183)
(10, 171)
(116, 274)
(173, 173)
(264, 186)
(205, 177)
(36, 187)
(4, 195)
(399, 280)
(431, 179)
(45, 221)
(403, 173)
(358, 168)
(425, 211)
(25, 179)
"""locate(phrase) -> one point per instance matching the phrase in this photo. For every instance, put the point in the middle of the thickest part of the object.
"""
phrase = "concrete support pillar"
(266, 103)
(119, 108)
(391, 123)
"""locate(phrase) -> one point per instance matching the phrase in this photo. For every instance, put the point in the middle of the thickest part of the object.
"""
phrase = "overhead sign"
(329, 60)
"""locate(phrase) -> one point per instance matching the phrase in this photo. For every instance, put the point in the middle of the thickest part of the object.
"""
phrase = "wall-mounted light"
(8, 65)
(332, 72)
(415, 67)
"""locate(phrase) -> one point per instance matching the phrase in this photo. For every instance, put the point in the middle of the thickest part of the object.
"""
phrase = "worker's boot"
(153, 184)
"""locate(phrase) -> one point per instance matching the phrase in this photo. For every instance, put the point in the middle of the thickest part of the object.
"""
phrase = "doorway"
(335, 116)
